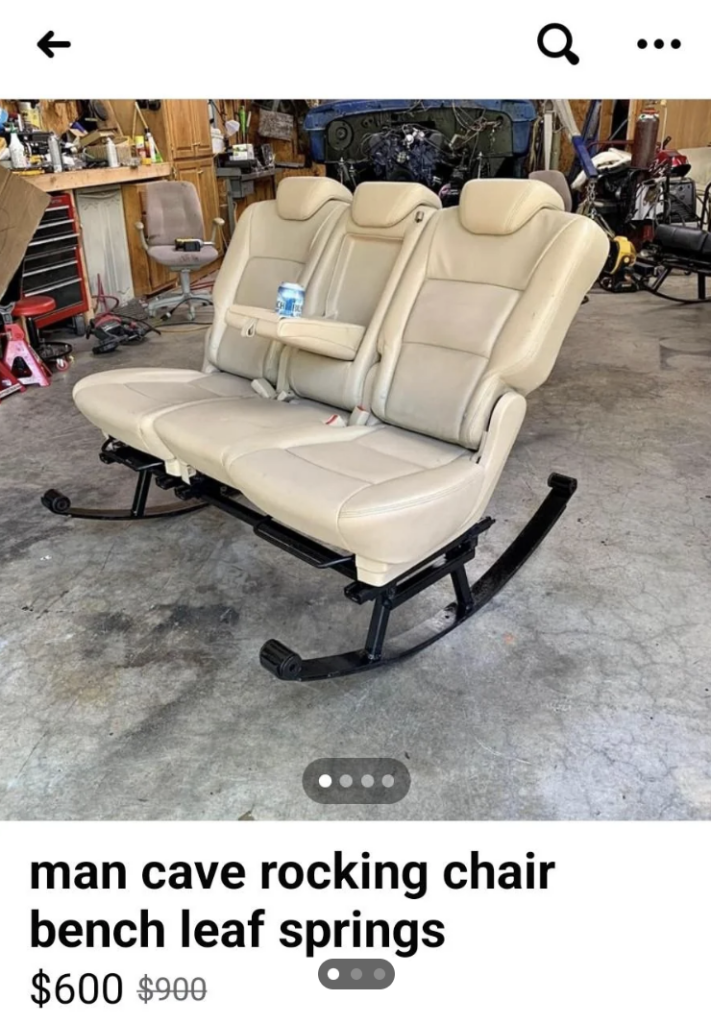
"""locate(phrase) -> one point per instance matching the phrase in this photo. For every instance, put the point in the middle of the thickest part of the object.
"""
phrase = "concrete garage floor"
(129, 678)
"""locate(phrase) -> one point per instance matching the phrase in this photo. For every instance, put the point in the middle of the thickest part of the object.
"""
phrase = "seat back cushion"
(274, 241)
(354, 283)
(172, 211)
(483, 307)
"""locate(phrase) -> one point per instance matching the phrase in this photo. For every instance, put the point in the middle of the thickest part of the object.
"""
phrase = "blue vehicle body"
(521, 112)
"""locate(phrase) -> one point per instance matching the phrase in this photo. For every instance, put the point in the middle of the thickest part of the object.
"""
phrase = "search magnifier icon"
(567, 48)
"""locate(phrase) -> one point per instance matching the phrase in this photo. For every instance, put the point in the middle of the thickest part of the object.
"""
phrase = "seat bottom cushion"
(387, 495)
(126, 403)
(169, 256)
(203, 436)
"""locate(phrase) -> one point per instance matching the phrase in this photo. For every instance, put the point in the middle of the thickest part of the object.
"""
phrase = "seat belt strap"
(283, 391)
(263, 388)
(359, 417)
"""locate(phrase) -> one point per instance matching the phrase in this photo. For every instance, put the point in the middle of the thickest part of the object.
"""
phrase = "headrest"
(382, 204)
(500, 206)
(300, 197)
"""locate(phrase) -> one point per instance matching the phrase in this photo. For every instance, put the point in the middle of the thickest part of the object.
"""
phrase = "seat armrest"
(320, 335)
(217, 224)
(311, 334)
(142, 232)
(251, 320)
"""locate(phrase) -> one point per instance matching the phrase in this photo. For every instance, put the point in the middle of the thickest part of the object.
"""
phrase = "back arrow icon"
(48, 44)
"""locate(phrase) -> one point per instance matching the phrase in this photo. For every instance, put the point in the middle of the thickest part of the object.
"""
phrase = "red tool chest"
(53, 262)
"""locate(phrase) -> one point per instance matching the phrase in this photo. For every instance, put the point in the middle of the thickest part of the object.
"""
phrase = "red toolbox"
(54, 264)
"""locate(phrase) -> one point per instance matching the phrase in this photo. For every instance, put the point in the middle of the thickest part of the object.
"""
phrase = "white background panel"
(365, 50)
(619, 935)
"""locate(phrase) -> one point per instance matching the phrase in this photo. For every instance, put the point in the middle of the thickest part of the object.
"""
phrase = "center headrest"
(300, 197)
(500, 206)
(382, 204)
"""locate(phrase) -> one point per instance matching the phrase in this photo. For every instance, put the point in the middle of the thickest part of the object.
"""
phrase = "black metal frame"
(149, 469)
(670, 262)
(378, 649)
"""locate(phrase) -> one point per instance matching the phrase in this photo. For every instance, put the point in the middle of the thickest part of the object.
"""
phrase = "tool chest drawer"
(53, 262)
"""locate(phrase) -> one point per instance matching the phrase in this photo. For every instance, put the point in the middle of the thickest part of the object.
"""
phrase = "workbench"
(69, 181)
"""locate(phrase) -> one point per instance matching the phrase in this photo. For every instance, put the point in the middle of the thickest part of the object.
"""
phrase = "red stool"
(29, 309)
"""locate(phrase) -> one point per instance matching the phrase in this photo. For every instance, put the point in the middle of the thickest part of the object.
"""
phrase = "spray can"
(111, 154)
(150, 147)
(644, 144)
(55, 154)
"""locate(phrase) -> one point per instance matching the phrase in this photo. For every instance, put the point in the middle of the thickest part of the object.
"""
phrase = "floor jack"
(20, 364)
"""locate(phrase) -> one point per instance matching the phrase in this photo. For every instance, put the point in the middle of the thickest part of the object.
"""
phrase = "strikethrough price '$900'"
(163, 988)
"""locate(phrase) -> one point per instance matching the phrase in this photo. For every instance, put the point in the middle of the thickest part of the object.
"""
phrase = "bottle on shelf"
(55, 154)
(18, 155)
(111, 154)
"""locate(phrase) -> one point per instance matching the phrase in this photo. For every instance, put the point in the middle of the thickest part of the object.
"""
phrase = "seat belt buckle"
(263, 388)
(335, 421)
(359, 417)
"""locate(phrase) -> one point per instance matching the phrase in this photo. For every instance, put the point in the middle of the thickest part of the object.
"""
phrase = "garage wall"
(55, 114)
(687, 121)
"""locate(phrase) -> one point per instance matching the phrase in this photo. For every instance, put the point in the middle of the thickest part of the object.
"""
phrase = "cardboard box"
(21, 209)
(98, 150)
(93, 138)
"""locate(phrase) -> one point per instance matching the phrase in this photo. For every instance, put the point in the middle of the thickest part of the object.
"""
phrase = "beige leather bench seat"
(464, 311)
(475, 323)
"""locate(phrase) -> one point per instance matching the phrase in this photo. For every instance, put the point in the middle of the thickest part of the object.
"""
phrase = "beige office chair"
(173, 211)
(556, 180)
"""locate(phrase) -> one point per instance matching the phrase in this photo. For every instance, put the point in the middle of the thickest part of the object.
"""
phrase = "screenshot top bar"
(374, 50)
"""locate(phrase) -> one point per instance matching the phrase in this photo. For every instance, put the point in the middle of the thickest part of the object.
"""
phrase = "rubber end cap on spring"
(563, 485)
(280, 660)
(56, 502)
